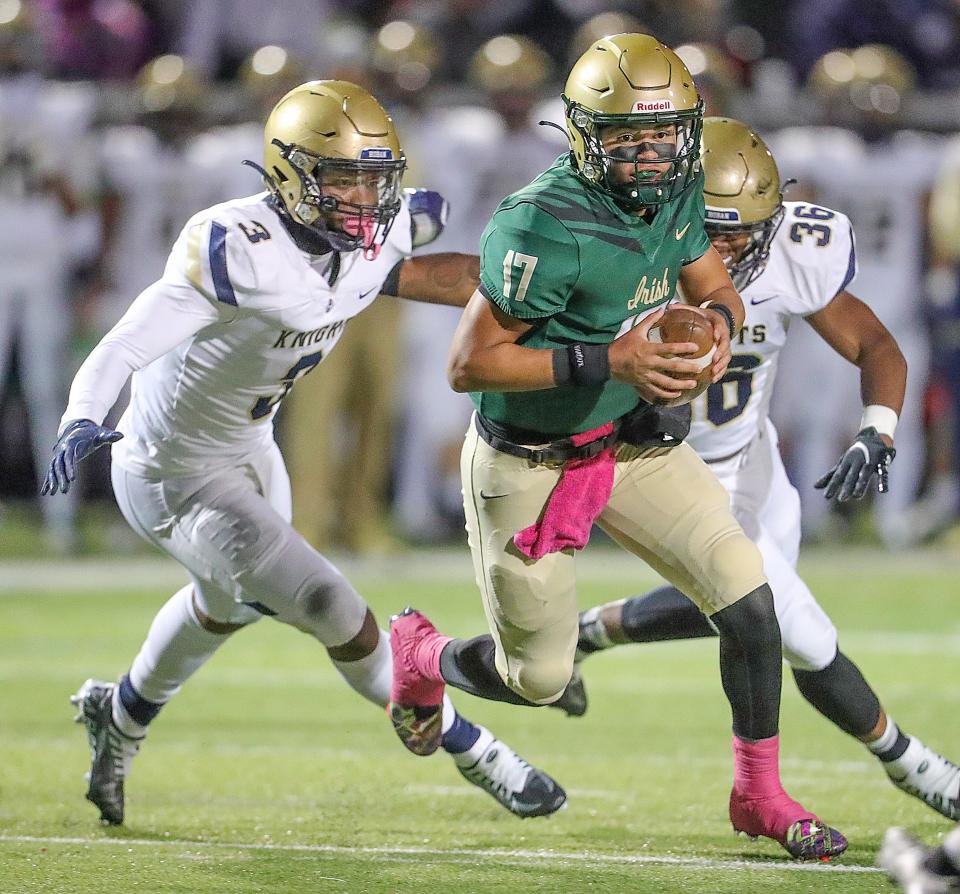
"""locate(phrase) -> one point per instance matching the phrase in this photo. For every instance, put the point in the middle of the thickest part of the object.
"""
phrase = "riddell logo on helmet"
(656, 105)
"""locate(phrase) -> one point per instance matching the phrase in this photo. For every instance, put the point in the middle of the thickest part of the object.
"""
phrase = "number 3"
(527, 263)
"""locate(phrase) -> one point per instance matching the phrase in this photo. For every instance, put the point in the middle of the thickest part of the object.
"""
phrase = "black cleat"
(111, 750)
(574, 698)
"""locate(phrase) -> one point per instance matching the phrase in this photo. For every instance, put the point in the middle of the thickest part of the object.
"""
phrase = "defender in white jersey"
(255, 294)
(853, 171)
(790, 260)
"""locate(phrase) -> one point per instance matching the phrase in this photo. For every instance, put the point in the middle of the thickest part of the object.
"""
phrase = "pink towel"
(575, 502)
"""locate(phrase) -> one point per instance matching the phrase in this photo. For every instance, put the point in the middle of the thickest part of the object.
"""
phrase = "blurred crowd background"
(120, 118)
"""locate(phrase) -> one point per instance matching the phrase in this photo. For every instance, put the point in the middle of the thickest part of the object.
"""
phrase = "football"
(683, 324)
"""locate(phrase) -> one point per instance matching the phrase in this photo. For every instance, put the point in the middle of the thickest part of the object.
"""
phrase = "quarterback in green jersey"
(571, 430)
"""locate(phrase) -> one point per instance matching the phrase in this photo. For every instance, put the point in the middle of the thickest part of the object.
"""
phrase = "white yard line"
(457, 854)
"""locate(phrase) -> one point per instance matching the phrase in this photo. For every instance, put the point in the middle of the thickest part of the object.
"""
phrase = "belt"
(562, 450)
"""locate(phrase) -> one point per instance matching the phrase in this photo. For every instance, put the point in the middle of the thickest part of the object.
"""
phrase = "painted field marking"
(454, 854)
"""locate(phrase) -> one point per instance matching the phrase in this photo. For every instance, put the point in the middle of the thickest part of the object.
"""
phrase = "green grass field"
(268, 774)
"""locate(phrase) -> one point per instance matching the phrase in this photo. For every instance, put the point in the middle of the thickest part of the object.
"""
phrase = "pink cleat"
(416, 695)
(781, 818)
(760, 806)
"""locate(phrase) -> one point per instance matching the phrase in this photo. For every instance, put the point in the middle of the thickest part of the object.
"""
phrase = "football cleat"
(574, 699)
(522, 789)
(111, 750)
(932, 778)
(904, 859)
(416, 703)
(804, 839)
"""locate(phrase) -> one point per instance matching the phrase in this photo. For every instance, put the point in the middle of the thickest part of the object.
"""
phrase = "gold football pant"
(665, 507)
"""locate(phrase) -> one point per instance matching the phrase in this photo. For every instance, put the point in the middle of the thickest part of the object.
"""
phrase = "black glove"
(79, 439)
(865, 457)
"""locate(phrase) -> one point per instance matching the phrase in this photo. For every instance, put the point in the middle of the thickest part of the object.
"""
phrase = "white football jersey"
(239, 315)
(812, 258)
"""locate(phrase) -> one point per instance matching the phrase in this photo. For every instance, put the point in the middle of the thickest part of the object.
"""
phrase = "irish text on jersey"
(653, 293)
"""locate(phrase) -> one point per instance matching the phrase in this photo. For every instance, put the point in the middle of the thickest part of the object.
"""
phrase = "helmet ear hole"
(281, 177)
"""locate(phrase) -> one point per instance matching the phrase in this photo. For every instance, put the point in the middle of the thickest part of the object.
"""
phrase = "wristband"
(726, 313)
(882, 418)
(561, 367)
(589, 364)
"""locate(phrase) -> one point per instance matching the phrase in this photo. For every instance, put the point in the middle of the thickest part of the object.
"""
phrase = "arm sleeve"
(161, 317)
(529, 262)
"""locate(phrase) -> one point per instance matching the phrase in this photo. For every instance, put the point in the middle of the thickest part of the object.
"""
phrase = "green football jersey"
(564, 258)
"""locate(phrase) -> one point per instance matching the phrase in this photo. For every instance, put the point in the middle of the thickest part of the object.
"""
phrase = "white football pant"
(768, 508)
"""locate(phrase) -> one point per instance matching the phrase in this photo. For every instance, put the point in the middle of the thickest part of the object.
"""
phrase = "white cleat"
(522, 789)
(923, 773)
(902, 857)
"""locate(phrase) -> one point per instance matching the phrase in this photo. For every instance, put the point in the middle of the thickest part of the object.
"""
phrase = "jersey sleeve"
(161, 317)
(822, 246)
(695, 241)
(213, 256)
(529, 262)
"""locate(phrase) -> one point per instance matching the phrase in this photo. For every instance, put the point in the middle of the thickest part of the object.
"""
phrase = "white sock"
(371, 675)
(175, 648)
(123, 721)
(449, 714)
(469, 757)
(886, 740)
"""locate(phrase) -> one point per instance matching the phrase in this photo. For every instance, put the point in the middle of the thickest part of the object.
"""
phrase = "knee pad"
(540, 682)
(328, 608)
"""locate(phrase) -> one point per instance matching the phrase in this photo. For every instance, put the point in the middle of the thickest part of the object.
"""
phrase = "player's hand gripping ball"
(681, 323)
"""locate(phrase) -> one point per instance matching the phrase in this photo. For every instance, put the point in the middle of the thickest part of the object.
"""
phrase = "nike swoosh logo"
(364, 294)
(484, 496)
(679, 233)
(762, 300)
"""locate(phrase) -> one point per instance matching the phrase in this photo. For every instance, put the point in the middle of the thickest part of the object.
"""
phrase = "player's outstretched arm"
(854, 332)
(443, 278)
(160, 318)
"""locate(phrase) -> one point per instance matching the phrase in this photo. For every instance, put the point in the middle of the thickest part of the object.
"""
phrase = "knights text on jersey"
(210, 401)
(562, 256)
(813, 257)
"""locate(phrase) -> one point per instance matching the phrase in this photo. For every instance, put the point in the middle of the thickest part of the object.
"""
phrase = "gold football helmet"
(633, 80)
(334, 164)
(742, 193)
(510, 63)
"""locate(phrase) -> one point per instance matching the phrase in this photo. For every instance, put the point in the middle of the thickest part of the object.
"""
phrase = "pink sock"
(756, 767)
(428, 656)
